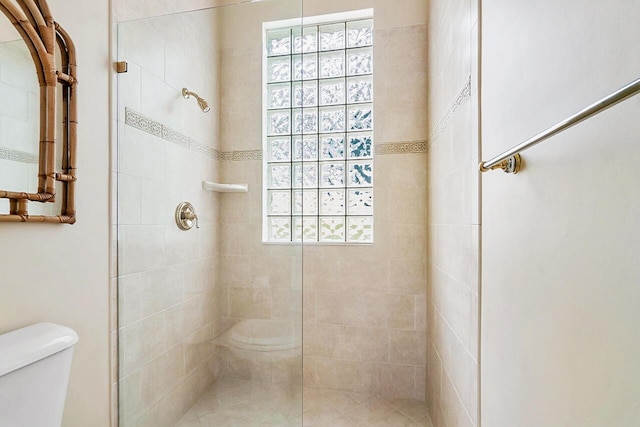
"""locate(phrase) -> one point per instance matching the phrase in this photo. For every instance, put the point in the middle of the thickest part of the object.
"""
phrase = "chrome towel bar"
(510, 160)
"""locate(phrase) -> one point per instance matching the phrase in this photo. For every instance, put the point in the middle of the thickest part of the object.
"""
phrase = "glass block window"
(319, 132)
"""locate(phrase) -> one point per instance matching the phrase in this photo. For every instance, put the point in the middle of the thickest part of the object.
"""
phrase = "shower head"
(204, 106)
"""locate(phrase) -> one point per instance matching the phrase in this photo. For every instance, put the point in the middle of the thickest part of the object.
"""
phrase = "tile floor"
(239, 403)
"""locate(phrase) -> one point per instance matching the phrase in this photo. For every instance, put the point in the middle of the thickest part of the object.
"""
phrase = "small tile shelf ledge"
(224, 188)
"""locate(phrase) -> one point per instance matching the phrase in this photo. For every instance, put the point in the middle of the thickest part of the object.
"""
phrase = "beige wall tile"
(375, 311)
(401, 311)
(419, 383)
(161, 375)
(407, 347)
(161, 289)
(141, 342)
(358, 343)
(321, 340)
(197, 348)
(250, 303)
(141, 248)
(421, 313)
(198, 276)
(309, 307)
(339, 308)
(393, 380)
(408, 276)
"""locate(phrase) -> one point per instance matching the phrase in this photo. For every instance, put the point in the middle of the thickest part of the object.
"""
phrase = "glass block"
(332, 175)
(360, 117)
(360, 174)
(331, 64)
(279, 202)
(305, 148)
(305, 94)
(360, 145)
(305, 41)
(332, 202)
(306, 229)
(279, 149)
(332, 37)
(278, 69)
(360, 229)
(360, 202)
(332, 229)
(332, 119)
(279, 176)
(332, 92)
(360, 61)
(305, 121)
(332, 147)
(360, 89)
(279, 95)
(280, 229)
(278, 42)
(360, 33)
(305, 175)
(279, 122)
(305, 202)
(305, 67)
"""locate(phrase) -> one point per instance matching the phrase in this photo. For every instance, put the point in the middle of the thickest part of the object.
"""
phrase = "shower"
(298, 300)
(204, 105)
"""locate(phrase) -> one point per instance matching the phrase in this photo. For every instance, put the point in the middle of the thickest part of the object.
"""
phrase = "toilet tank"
(35, 362)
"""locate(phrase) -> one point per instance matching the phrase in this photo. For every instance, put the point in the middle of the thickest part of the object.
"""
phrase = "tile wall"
(454, 223)
(363, 306)
(166, 287)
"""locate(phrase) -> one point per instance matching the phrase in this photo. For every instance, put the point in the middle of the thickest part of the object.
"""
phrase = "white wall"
(561, 270)
(59, 273)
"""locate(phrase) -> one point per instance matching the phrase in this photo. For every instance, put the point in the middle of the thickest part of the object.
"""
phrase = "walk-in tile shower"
(297, 292)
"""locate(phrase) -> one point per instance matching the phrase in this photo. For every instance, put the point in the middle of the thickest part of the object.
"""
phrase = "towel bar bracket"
(511, 164)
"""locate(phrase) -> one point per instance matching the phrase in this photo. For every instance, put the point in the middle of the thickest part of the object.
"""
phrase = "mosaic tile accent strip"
(463, 96)
(205, 150)
(145, 124)
(17, 156)
(246, 155)
(401, 148)
(160, 130)
(175, 137)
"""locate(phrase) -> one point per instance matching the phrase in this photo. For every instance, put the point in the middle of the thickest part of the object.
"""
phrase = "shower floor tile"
(239, 403)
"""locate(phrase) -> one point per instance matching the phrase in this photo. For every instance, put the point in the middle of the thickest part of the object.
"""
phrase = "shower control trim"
(186, 216)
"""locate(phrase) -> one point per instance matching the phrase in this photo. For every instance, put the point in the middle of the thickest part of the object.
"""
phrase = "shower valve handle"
(186, 216)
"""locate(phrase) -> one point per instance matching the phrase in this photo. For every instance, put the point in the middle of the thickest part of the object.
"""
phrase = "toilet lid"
(24, 346)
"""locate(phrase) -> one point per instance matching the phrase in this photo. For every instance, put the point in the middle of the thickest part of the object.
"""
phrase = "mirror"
(19, 115)
(37, 115)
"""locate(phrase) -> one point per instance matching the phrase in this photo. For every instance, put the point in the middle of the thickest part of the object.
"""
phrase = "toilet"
(35, 362)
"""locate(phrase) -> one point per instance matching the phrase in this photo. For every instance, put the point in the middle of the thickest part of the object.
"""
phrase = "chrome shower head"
(204, 106)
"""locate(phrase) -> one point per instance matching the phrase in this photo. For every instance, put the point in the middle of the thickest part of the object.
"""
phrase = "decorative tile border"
(246, 155)
(401, 148)
(463, 96)
(160, 130)
(143, 123)
(175, 137)
(17, 156)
